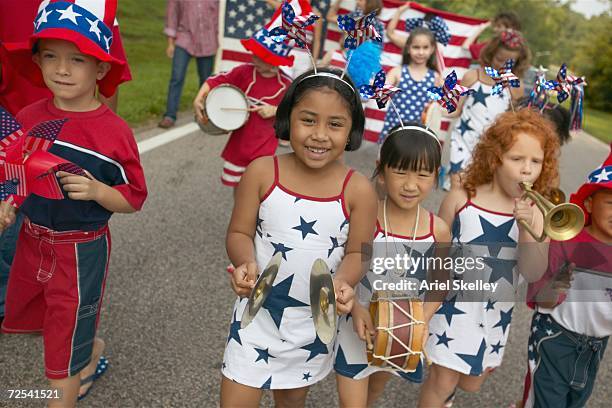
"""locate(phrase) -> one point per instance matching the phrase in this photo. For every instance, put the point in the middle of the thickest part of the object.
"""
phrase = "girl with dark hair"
(407, 169)
(416, 74)
(306, 205)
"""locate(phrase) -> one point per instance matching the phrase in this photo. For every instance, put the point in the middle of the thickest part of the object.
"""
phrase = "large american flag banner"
(243, 17)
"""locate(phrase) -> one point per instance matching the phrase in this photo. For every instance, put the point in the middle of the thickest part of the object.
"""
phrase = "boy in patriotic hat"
(58, 276)
(573, 302)
(264, 85)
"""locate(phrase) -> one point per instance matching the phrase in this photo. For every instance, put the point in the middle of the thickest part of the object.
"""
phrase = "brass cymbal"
(323, 301)
(262, 289)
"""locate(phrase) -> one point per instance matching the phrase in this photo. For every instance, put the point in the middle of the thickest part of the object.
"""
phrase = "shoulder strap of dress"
(276, 172)
(346, 179)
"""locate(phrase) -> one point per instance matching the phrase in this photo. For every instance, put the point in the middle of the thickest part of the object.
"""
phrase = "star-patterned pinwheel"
(448, 95)
(503, 78)
(565, 82)
(538, 95)
(436, 25)
(25, 162)
(293, 27)
(358, 29)
(379, 90)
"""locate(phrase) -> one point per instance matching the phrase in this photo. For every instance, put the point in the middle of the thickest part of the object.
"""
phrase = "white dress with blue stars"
(410, 102)
(351, 359)
(280, 348)
(469, 331)
(479, 110)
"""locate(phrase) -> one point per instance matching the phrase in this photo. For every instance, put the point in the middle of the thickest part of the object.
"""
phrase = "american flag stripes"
(42, 136)
(10, 131)
(243, 17)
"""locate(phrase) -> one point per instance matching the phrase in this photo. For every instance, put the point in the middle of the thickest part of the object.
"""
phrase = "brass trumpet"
(561, 221)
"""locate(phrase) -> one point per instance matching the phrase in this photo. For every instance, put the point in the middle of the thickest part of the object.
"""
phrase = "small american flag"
(16, 172)
(10, 131)
(8, 188)
(42, 136)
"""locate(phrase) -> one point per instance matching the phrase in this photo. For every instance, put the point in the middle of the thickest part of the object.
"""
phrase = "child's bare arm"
(89, 189)
(7, 215)
(451, 204)
(397, 39)
(472, 39)
(362, 204)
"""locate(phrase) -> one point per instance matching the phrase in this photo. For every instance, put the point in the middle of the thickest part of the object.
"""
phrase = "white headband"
(328, 75)
(425, 130)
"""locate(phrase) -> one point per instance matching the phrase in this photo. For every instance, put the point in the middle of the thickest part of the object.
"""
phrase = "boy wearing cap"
(573, 302)
(264, 85)
(58, 276)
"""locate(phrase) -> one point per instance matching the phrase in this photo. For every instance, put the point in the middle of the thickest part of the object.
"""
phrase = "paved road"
(168, 302)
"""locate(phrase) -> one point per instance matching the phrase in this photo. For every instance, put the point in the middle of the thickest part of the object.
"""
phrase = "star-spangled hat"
(598, 179)
(85, 23)
(263, 46)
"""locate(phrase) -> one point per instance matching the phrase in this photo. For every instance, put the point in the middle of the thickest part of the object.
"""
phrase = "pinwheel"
(436, 25)
(565, 82)
(379, 91)
(26, 167)
(358, 29)
(448, 95)
(293, 27)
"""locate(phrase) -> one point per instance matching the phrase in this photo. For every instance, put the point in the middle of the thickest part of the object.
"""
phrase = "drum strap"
(387, 231)
(262, 99)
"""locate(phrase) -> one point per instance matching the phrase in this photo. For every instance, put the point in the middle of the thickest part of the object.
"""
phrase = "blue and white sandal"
(101, 368)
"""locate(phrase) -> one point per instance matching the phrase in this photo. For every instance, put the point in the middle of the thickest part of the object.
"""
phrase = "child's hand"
(7, 215)
(243, 279)
(362, 322)
(563, 280)
(79, 187)
(524, 211)
(265, 111)
(344, 296)
(200, 112)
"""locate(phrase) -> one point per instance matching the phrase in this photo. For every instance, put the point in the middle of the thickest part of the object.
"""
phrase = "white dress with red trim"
(280, 349)
(469, 331)
(350, 351)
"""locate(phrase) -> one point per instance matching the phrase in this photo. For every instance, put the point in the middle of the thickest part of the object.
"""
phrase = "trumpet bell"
(563, 221)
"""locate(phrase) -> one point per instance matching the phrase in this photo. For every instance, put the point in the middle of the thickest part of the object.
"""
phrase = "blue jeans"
(180, 62)
(8, 244)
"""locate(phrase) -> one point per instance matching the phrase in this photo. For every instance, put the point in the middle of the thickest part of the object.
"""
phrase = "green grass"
(597, 124)
(143, 99)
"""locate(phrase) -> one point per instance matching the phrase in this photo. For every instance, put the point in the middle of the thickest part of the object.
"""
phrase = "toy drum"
(399, 332)
(227, 109)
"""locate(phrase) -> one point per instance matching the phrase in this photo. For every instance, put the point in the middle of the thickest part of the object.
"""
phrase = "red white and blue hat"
(85, 23)
(263, 46)
(599, 179)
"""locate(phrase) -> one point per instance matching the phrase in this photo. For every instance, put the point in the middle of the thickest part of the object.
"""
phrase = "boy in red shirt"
(573, 318)
(58, 275)
(264, 85)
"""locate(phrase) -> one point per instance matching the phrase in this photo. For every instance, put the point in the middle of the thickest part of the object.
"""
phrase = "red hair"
(500, 137)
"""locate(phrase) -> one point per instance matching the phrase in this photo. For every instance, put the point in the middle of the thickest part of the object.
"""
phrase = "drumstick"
(235, 109)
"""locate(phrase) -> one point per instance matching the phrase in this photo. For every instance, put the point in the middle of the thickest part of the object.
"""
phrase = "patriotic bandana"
(449, 94)
(512, 39)
(85, 23)
(25, 165)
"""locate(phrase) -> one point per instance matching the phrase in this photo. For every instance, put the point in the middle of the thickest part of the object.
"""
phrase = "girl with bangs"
(408, 170)
(470, 330)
